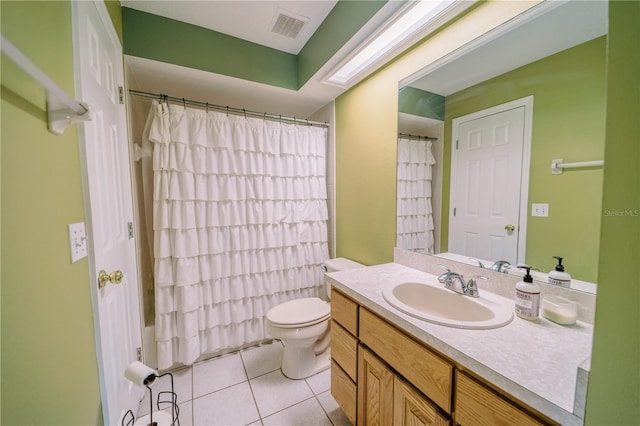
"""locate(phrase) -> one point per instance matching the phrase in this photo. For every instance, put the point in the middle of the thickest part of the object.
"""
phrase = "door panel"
(108, 205)
(486, 179)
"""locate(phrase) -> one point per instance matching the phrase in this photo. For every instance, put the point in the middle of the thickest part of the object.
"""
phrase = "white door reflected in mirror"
(491, 150)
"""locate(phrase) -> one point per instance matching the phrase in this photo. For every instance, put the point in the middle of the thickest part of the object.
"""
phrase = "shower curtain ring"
(245, 113)
(184, 104)
(227, 110)
(206, 107)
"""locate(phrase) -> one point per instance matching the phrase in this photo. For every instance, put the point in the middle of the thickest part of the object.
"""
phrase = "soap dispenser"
(558, 276)
(527, 296)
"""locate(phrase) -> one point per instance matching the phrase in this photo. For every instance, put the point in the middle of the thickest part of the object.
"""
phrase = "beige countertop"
(535, 361)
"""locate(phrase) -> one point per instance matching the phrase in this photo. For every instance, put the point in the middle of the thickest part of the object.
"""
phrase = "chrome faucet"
(456, 282)
(498, 266)
(501, 266)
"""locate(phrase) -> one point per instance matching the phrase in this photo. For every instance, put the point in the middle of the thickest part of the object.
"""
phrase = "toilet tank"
(339, 264)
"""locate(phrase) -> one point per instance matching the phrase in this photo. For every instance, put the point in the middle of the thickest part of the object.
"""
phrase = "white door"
(488, 187)
(108, 205)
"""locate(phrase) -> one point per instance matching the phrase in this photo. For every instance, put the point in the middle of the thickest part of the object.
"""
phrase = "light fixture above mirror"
(412, 22)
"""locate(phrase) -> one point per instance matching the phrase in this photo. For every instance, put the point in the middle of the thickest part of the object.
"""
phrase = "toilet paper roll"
(140, 374)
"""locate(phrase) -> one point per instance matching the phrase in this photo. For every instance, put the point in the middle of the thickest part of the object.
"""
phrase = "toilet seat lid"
(300, 311)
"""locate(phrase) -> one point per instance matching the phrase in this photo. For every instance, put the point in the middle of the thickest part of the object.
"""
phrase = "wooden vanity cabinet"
(344, 352)
(382, 376)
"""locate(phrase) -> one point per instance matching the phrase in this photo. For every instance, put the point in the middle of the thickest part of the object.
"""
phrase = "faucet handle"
(472, 286)
(501, 266)
(444, 267)
(445, 275)
(480, 264)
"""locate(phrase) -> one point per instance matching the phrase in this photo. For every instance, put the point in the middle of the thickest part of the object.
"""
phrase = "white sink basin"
(438, 305)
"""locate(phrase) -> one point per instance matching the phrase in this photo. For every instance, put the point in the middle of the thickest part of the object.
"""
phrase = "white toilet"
(303, 327)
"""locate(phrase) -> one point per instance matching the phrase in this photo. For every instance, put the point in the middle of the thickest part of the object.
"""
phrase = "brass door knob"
(114, 278)
(510, 228)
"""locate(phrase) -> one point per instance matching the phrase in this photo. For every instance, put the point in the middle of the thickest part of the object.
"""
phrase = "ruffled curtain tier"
(414, 220)
(240, 225)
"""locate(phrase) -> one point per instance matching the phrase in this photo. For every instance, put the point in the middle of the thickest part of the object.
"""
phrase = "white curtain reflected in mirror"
(414, 229)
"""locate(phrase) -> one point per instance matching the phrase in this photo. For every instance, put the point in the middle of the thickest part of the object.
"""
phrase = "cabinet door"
(375, 390)
(479, 406)
(410, 408)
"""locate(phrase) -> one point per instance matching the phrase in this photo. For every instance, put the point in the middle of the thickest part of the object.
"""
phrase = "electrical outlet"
(77, 241)
(540, 210)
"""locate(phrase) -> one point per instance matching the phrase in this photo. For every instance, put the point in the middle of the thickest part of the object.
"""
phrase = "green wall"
(366, 171)
(421, 103)
(365, 192)
(568, 123)
(614, 384)
(49, 367)
(174, 42)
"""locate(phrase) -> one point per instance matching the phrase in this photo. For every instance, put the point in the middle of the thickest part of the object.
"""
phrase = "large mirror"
(480, 129)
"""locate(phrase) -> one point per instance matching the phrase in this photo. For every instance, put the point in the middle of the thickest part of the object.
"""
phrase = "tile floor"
(248, 388)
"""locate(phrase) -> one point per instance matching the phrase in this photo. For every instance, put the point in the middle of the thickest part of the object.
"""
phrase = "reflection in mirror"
(414, 224)
(552, 56)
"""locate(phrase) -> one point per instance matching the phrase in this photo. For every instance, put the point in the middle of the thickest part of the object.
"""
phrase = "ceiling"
(564, 24)
(247, 20)
(251, 21)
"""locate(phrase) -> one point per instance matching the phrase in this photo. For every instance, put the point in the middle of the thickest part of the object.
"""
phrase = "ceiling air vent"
(288, 24)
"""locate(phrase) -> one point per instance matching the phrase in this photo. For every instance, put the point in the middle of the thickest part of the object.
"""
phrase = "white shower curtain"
(414, 227)
(240, 225)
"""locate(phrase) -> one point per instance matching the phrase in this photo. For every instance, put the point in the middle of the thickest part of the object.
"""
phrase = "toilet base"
(300, 363)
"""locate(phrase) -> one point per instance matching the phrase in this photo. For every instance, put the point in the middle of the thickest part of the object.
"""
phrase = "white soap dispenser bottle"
(558, 276)
(527, 297)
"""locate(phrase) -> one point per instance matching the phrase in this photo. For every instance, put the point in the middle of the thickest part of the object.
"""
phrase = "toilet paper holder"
(165, 399)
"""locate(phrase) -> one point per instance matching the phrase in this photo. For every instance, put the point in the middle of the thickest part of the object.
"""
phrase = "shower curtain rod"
(426, 138)
(227, 109)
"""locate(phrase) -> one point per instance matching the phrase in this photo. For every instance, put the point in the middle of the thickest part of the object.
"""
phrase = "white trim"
(444, 16)
(527, 103)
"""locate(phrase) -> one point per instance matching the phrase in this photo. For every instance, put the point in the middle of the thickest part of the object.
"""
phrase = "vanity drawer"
(344, 391)
(429, 373)
(344, 349)
(344, 311)
(476, 404)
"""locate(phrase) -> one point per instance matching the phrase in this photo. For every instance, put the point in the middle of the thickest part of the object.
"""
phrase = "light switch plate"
(77, 241)
(540, 210)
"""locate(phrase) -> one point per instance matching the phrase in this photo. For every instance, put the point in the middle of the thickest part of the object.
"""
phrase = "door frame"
(527, 103)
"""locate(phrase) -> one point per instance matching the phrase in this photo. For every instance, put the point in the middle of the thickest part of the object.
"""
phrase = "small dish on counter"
(559, 310)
